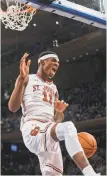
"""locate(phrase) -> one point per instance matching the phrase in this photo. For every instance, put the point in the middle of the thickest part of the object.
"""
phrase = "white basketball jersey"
(38, 99)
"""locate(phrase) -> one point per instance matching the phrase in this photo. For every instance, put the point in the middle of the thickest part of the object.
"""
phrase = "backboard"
(91, 12)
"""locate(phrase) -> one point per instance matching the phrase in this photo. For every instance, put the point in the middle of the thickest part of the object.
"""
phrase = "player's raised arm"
(21, 82)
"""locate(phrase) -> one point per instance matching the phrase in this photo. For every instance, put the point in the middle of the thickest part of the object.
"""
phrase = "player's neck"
(42, 75)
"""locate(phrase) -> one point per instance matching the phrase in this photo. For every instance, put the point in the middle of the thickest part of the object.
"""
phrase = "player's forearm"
(16, 97)
(59, 117)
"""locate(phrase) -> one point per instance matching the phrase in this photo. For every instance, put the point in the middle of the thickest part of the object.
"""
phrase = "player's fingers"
(28, 63)
(66, 104)
(24, 57)
(57, 101)
(62, 101)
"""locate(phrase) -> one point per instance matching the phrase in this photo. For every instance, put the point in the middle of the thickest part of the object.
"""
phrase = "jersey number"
(46, 99)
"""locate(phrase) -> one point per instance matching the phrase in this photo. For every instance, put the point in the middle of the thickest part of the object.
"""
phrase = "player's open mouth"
(54, 69)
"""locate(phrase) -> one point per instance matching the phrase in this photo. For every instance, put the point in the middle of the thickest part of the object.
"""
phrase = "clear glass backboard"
(98, 5)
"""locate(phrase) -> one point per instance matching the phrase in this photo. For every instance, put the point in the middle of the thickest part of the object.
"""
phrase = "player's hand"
(60, 106)
(24, 67)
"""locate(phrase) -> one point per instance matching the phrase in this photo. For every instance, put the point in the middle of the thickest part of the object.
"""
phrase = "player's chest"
(41, 91)
(41, 88)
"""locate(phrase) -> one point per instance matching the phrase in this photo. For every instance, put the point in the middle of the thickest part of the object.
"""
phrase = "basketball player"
(41, 123)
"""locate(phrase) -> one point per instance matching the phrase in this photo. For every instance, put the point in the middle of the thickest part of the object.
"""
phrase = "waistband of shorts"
(39, 120)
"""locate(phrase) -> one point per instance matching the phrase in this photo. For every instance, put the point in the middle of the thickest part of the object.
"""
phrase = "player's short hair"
(46, 53)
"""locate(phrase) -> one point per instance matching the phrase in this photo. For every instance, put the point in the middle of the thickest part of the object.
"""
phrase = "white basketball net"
(18, 16)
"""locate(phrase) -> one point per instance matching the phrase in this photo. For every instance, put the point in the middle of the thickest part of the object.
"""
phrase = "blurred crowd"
(23, 162)
(86, 101)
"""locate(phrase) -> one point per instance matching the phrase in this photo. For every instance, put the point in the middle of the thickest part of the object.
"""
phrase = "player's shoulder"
(54, 86)
(33, 77)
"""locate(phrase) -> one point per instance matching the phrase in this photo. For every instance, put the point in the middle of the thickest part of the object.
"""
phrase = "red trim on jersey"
(44, 142)
(55, 168)
(44, 131)
(48, 82)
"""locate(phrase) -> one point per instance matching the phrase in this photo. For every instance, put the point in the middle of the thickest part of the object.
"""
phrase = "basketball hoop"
(17, 16)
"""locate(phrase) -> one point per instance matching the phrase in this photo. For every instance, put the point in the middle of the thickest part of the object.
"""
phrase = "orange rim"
(29, 8)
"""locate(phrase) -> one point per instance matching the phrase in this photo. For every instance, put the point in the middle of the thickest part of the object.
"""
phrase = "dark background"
(81, 81)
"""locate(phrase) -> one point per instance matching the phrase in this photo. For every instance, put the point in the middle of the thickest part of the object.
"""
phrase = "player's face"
(50, 67)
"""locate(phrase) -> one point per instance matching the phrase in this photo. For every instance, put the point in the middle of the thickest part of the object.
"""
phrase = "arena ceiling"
(45, 29)
(66, 31)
